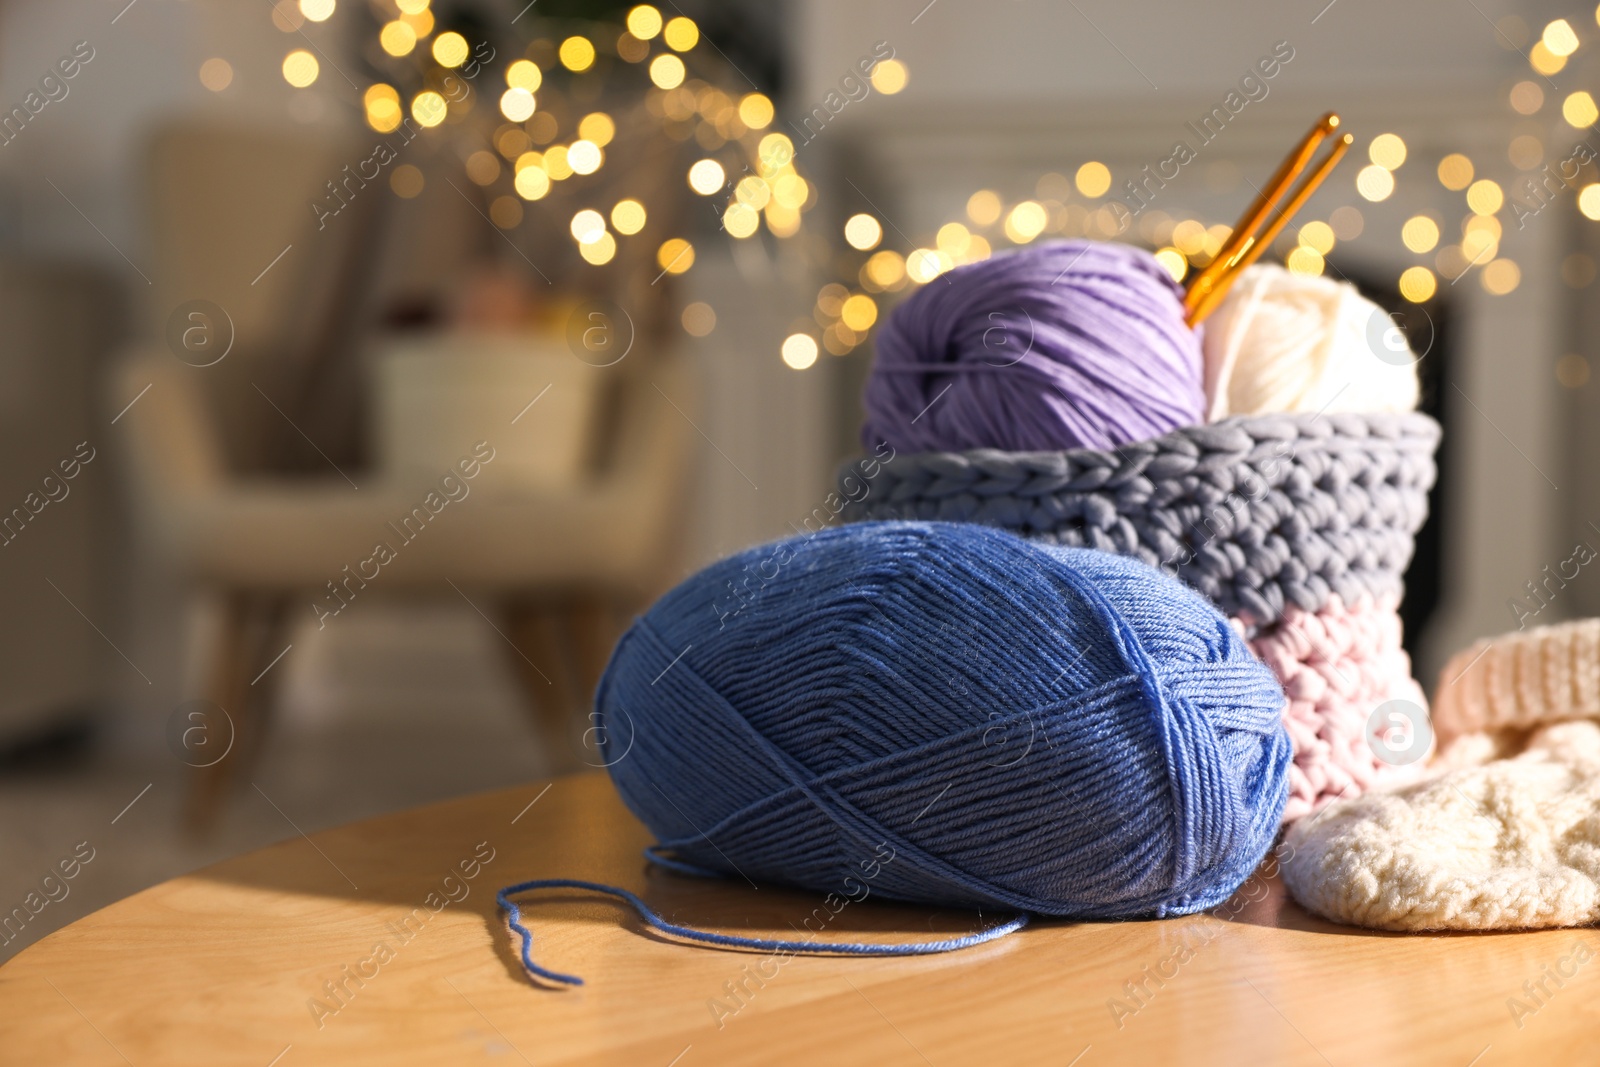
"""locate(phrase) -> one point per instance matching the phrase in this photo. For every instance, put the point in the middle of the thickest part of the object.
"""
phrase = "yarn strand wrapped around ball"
(1068, 344)
(1055, 731)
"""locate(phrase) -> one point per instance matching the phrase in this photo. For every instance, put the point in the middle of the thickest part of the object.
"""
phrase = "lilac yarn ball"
(1070, 344)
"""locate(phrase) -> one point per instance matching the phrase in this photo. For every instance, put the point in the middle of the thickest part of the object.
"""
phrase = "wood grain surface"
(380, 943)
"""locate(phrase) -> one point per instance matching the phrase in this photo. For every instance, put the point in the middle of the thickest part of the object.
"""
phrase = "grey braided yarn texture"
(1257, 512)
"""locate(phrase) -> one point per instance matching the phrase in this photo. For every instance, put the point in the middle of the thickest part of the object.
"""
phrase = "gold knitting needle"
(1254, 251)
(1244, 232)
(1244, 245)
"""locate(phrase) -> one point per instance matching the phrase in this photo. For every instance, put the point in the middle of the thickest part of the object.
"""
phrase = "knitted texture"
(1511, 845)
(1256, 512)
(948, 714)
(1337, 665)
(1521, 680)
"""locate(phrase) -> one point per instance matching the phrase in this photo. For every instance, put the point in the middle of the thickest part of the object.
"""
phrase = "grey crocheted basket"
(1256, 512)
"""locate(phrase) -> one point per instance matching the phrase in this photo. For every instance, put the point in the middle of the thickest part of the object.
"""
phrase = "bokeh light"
(1484, 197)
(862, 232)
(886, 269)
(1026, 221)
(524, 74)
(1525, 151)
(598, 128)
(517, 104)
(675, 255)
(576, 54)
(1560, 38)
(628, 217)
(1388, 151)
(667, 71)
(953, 238)
(483, 167)
(300, 68)
(1501, 277)
(584, 157)
(1093, 179)
(1174, 262)
(1572, 371)
(532, 183)
(983, 207)
(1579, 110)
(753, 191)
(799, 350)
(600, 250)
(1306, 261)
(1420, 234)
(1455, 171)
(450, 50)
(429, 108)
(859, 312)
(741, 220)
(890, 76)
(1526, 97)
(397, 38)
(1545, 61)
(555, 163)
(587, 226)
(1316, 235)
(925, 264)
(407, 181)
(706, 177)
(1417, 284)
(681, 34)
(1374, 182)
(1347, 222)
(506, 212)
(216, 74)
(383, 107)
(1589, 201)
(644, 22)
(755, 111)
(699, 319)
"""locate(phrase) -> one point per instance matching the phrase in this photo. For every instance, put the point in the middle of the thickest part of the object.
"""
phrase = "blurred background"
(366, 364)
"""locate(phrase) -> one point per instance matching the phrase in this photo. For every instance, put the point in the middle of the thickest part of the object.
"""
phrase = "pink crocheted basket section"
(1337, 666)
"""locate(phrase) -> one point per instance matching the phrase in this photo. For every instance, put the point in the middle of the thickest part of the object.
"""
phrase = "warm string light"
(745, 164)
(773, 192)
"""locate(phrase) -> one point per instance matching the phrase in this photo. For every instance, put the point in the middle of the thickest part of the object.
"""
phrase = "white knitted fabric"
(1514, 844)
(1518, 681)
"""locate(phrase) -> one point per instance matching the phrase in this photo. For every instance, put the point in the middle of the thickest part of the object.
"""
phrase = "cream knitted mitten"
(1511, 845)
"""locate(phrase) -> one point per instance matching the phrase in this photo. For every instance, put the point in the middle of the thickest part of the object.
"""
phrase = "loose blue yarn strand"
(652, 919)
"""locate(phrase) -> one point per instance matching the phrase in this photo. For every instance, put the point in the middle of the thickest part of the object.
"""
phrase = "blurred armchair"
(553, 570)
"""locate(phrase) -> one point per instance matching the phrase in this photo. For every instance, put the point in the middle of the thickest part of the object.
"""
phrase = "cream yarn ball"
(1282, 342)
(1514, 844)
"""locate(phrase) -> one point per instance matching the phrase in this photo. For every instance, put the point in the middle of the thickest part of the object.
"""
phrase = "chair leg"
(594, 622)
(225, 683)
(248, 628)
(543, 663)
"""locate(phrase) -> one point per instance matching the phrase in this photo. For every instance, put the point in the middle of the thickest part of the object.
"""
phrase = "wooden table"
(233, 965)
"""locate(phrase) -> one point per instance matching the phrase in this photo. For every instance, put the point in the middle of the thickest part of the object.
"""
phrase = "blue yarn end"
(706, 937)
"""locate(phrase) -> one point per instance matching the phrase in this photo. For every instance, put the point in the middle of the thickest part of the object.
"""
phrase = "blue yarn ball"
(1056, 730)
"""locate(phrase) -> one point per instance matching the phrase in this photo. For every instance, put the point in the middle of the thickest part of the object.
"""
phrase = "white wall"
(146, 66)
